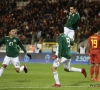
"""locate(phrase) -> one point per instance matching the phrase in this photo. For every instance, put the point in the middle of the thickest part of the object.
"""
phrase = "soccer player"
(72, 22)
(64, 57)
(12, 52)
(94, 49)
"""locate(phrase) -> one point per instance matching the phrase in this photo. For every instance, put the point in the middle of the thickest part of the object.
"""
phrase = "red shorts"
(95, 56)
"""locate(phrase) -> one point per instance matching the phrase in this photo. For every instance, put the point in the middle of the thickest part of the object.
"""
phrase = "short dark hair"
(72, 5)
(95, 31)
(11, 29)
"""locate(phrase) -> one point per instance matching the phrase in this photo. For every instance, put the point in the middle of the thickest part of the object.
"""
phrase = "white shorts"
(13, 60)
(69, 32)
(64, 61)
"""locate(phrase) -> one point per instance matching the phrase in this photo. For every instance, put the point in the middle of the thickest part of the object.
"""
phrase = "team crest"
(14, 40)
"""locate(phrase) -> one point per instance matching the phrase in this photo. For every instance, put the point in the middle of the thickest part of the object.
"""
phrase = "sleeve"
(2, 40)
(21, 45)
(59, 47)
(76, 18)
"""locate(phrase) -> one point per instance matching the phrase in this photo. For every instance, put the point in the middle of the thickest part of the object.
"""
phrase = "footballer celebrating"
(12, 52)
(72, 22)
(64, 57)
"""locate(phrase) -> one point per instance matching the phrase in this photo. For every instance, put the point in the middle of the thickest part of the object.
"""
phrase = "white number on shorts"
(17, 63)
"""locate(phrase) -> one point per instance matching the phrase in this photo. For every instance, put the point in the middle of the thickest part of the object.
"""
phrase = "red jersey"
(94, 42)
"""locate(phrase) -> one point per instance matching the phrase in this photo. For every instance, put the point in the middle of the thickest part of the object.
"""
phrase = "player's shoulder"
(6, 36)
(66, 36)
(95, 36)
(61, 36)
(77, 13)
(17, 38)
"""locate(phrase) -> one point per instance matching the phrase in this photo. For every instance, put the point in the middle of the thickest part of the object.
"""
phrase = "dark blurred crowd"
(41, 18)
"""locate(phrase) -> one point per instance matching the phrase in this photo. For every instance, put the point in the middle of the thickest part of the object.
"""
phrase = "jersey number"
(94, 43)
(68, 41)
(10, 43)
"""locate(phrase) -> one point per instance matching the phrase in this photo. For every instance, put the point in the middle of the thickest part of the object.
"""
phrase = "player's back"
(64, 44)
(94, 42)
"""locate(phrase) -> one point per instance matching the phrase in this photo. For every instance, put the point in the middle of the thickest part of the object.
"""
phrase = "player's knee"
(92, 64)
(97, 64)
(4, 65)
(53, 68)
(66, 69)
(17, 70)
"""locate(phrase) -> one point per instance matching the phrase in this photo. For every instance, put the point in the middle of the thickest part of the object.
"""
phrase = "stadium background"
(38, 21)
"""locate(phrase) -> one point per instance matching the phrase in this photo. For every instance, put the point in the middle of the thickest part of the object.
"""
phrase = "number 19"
(94, 43)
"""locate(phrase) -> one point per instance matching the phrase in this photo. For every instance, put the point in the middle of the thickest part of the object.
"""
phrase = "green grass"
(40, 77)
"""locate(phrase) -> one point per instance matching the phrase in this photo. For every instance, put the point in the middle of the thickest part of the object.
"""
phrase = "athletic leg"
(5, 63)
(16, 64)
(67, 68)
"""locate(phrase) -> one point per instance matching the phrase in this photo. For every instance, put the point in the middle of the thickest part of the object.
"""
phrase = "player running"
(64, 57)
(94, 49)
(12, 52)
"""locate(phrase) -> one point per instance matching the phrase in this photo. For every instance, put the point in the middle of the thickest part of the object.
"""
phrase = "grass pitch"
(40, 77)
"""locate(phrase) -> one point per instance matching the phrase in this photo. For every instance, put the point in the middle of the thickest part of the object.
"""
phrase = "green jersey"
(64, 43)
(72, 22)
(12, 46)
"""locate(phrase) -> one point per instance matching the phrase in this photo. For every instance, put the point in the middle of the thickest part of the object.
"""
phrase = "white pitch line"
(46, 87)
